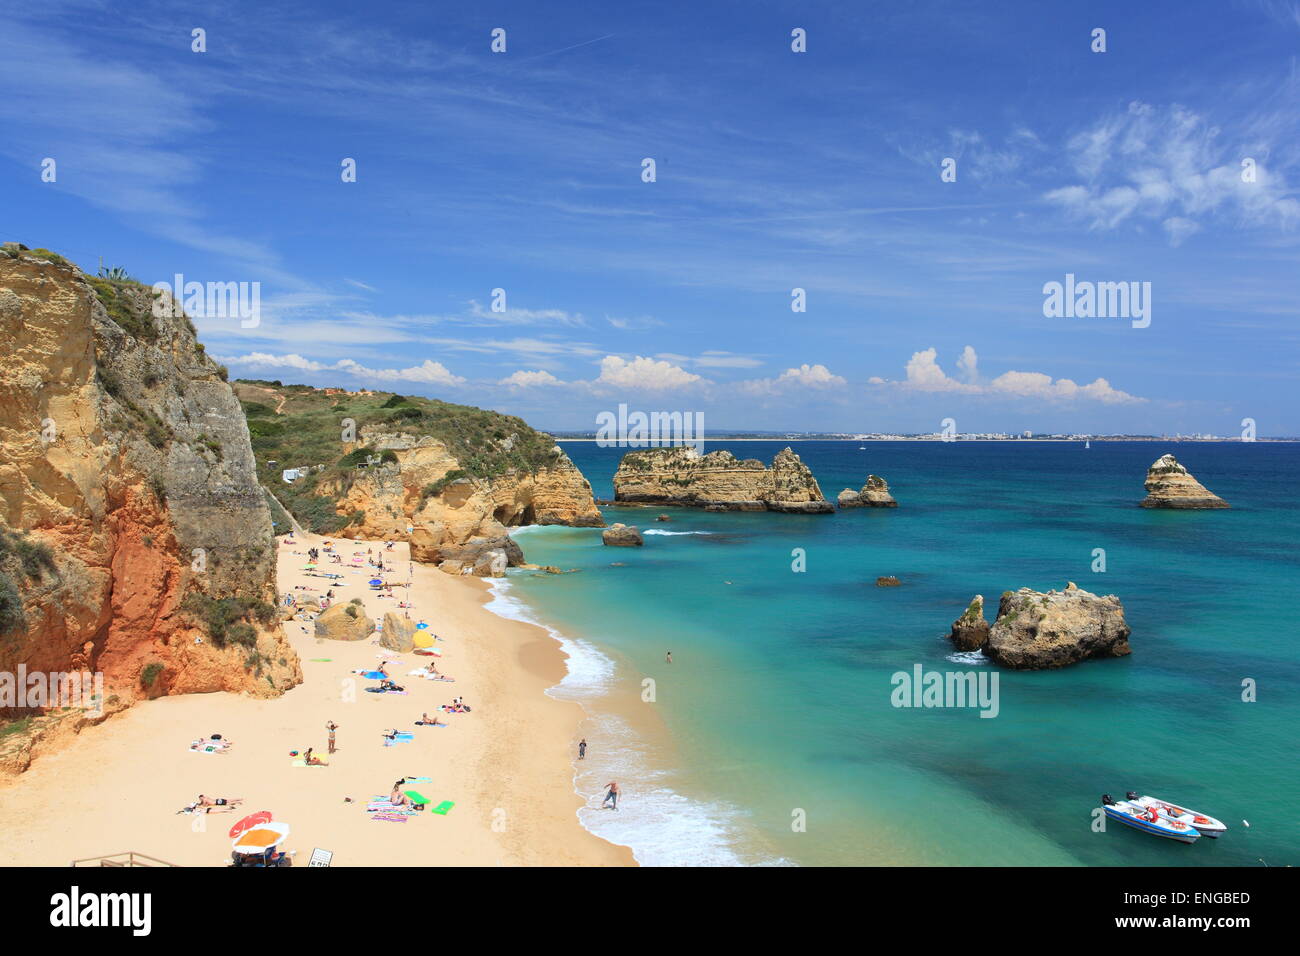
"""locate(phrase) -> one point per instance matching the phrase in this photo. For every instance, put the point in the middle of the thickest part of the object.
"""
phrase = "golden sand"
(507, 765)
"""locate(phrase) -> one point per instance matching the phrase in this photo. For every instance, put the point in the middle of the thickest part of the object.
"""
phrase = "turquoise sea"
(777, 706)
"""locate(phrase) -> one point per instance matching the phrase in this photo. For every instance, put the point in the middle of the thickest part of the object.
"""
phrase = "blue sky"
(775, 170)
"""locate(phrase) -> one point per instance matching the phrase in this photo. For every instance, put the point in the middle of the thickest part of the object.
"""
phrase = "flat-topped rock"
(344, 622)
(1036, 630)
(718, 481)
(1170, 485)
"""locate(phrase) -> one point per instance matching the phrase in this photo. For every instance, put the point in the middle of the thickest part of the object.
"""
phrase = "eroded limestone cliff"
(125, 467)
(1170, 485)
(718, 481)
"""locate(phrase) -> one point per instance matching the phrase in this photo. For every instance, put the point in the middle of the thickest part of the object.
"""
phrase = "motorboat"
(1204, 823)
(1148, 820)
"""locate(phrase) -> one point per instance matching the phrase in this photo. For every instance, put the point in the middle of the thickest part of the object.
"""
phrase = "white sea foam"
(661, 826)
(967, 657)
(656, 531)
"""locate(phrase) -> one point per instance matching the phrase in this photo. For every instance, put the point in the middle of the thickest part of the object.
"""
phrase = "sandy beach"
(507, 765)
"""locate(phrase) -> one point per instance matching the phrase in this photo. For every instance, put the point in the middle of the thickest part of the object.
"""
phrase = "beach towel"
(322, 660)
(443, 807)
(388, 818)
(420, 723)
(419, 779)
(380, 690)
(299, 762)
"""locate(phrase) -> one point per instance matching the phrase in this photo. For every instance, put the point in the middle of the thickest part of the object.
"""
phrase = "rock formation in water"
(454, 498)
(136, 541)
(971, 631)
(1034, 630)
(620, 535)
(1170, 485)
(718, 481)
(874, 494)
(887, 581)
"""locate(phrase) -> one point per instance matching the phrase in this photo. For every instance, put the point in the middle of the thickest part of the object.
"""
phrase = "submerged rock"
(1036, 630)
(970, 632)
(620, 535)
(1170, 485)
(888, 581)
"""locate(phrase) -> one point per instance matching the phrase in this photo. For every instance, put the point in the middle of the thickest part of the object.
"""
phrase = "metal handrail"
(132, 859)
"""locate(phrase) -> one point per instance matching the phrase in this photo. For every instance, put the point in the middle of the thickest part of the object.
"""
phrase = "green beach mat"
(444, 807)
(323, 660)
(416, 796)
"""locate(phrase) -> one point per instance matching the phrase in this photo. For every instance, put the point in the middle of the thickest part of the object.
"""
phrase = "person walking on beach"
(331, 727)
(612, 795)
(582, 749)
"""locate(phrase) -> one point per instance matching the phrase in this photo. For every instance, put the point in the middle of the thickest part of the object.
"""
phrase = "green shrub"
(150, 674)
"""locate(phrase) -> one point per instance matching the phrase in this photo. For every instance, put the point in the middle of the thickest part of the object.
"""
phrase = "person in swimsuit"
(331, 727)
(428, 721)
(397, 798)
(670, 657)
(612, 796)
(582, 749)
(203, 801)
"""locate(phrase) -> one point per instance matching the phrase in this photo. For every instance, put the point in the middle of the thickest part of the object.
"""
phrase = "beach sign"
(320, 857)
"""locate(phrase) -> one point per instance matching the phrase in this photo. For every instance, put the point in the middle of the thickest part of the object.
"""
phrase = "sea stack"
(622, 536)
(718, 481)
(1170, 485)
(1036, 630)
(970, 632)
(874, 494)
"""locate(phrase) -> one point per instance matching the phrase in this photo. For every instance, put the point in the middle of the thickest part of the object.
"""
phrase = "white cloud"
(813, 376)
(925, 374)
(426, 373)
(968, 364)
(645, 373)
(1170, 166)
(527, 379)
(513, 316)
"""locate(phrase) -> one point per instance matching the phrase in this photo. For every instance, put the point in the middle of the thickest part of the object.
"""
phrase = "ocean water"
(772, 738)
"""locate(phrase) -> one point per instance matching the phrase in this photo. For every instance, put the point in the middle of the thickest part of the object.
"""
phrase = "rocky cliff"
(1037, 630)
(718, 481)
(127, 488)
(1170, 485)
(449, 478)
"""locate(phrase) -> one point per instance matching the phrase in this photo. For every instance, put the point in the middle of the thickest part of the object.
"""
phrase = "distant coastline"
(559, 436)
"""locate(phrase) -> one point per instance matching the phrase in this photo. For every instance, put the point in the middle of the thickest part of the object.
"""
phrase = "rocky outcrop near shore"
(1036, 630)
(620, 535)
(718, 481)
(970, 632)
(874, 494)
(344, 622)
(136, 538)
(399, 633)
(456, 511)
(1170, 485)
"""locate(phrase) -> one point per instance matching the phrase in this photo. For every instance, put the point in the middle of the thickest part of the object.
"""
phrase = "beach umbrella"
(375, 582)
(422, 640)
(250, 821)
(261, 838)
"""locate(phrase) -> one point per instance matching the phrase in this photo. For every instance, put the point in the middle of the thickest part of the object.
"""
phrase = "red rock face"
(102, 463)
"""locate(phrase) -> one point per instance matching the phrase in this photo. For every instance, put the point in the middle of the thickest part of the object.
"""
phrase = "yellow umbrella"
(422, 639)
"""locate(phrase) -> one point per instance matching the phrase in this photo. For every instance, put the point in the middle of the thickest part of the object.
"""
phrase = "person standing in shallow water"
(670, 657)
(582, 749)
(611, 796)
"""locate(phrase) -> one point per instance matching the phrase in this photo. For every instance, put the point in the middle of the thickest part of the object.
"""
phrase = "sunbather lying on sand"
(206, 801)
(427, 721)
(311, 759)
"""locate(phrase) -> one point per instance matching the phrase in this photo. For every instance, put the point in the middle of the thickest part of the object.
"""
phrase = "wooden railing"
(129, 858)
